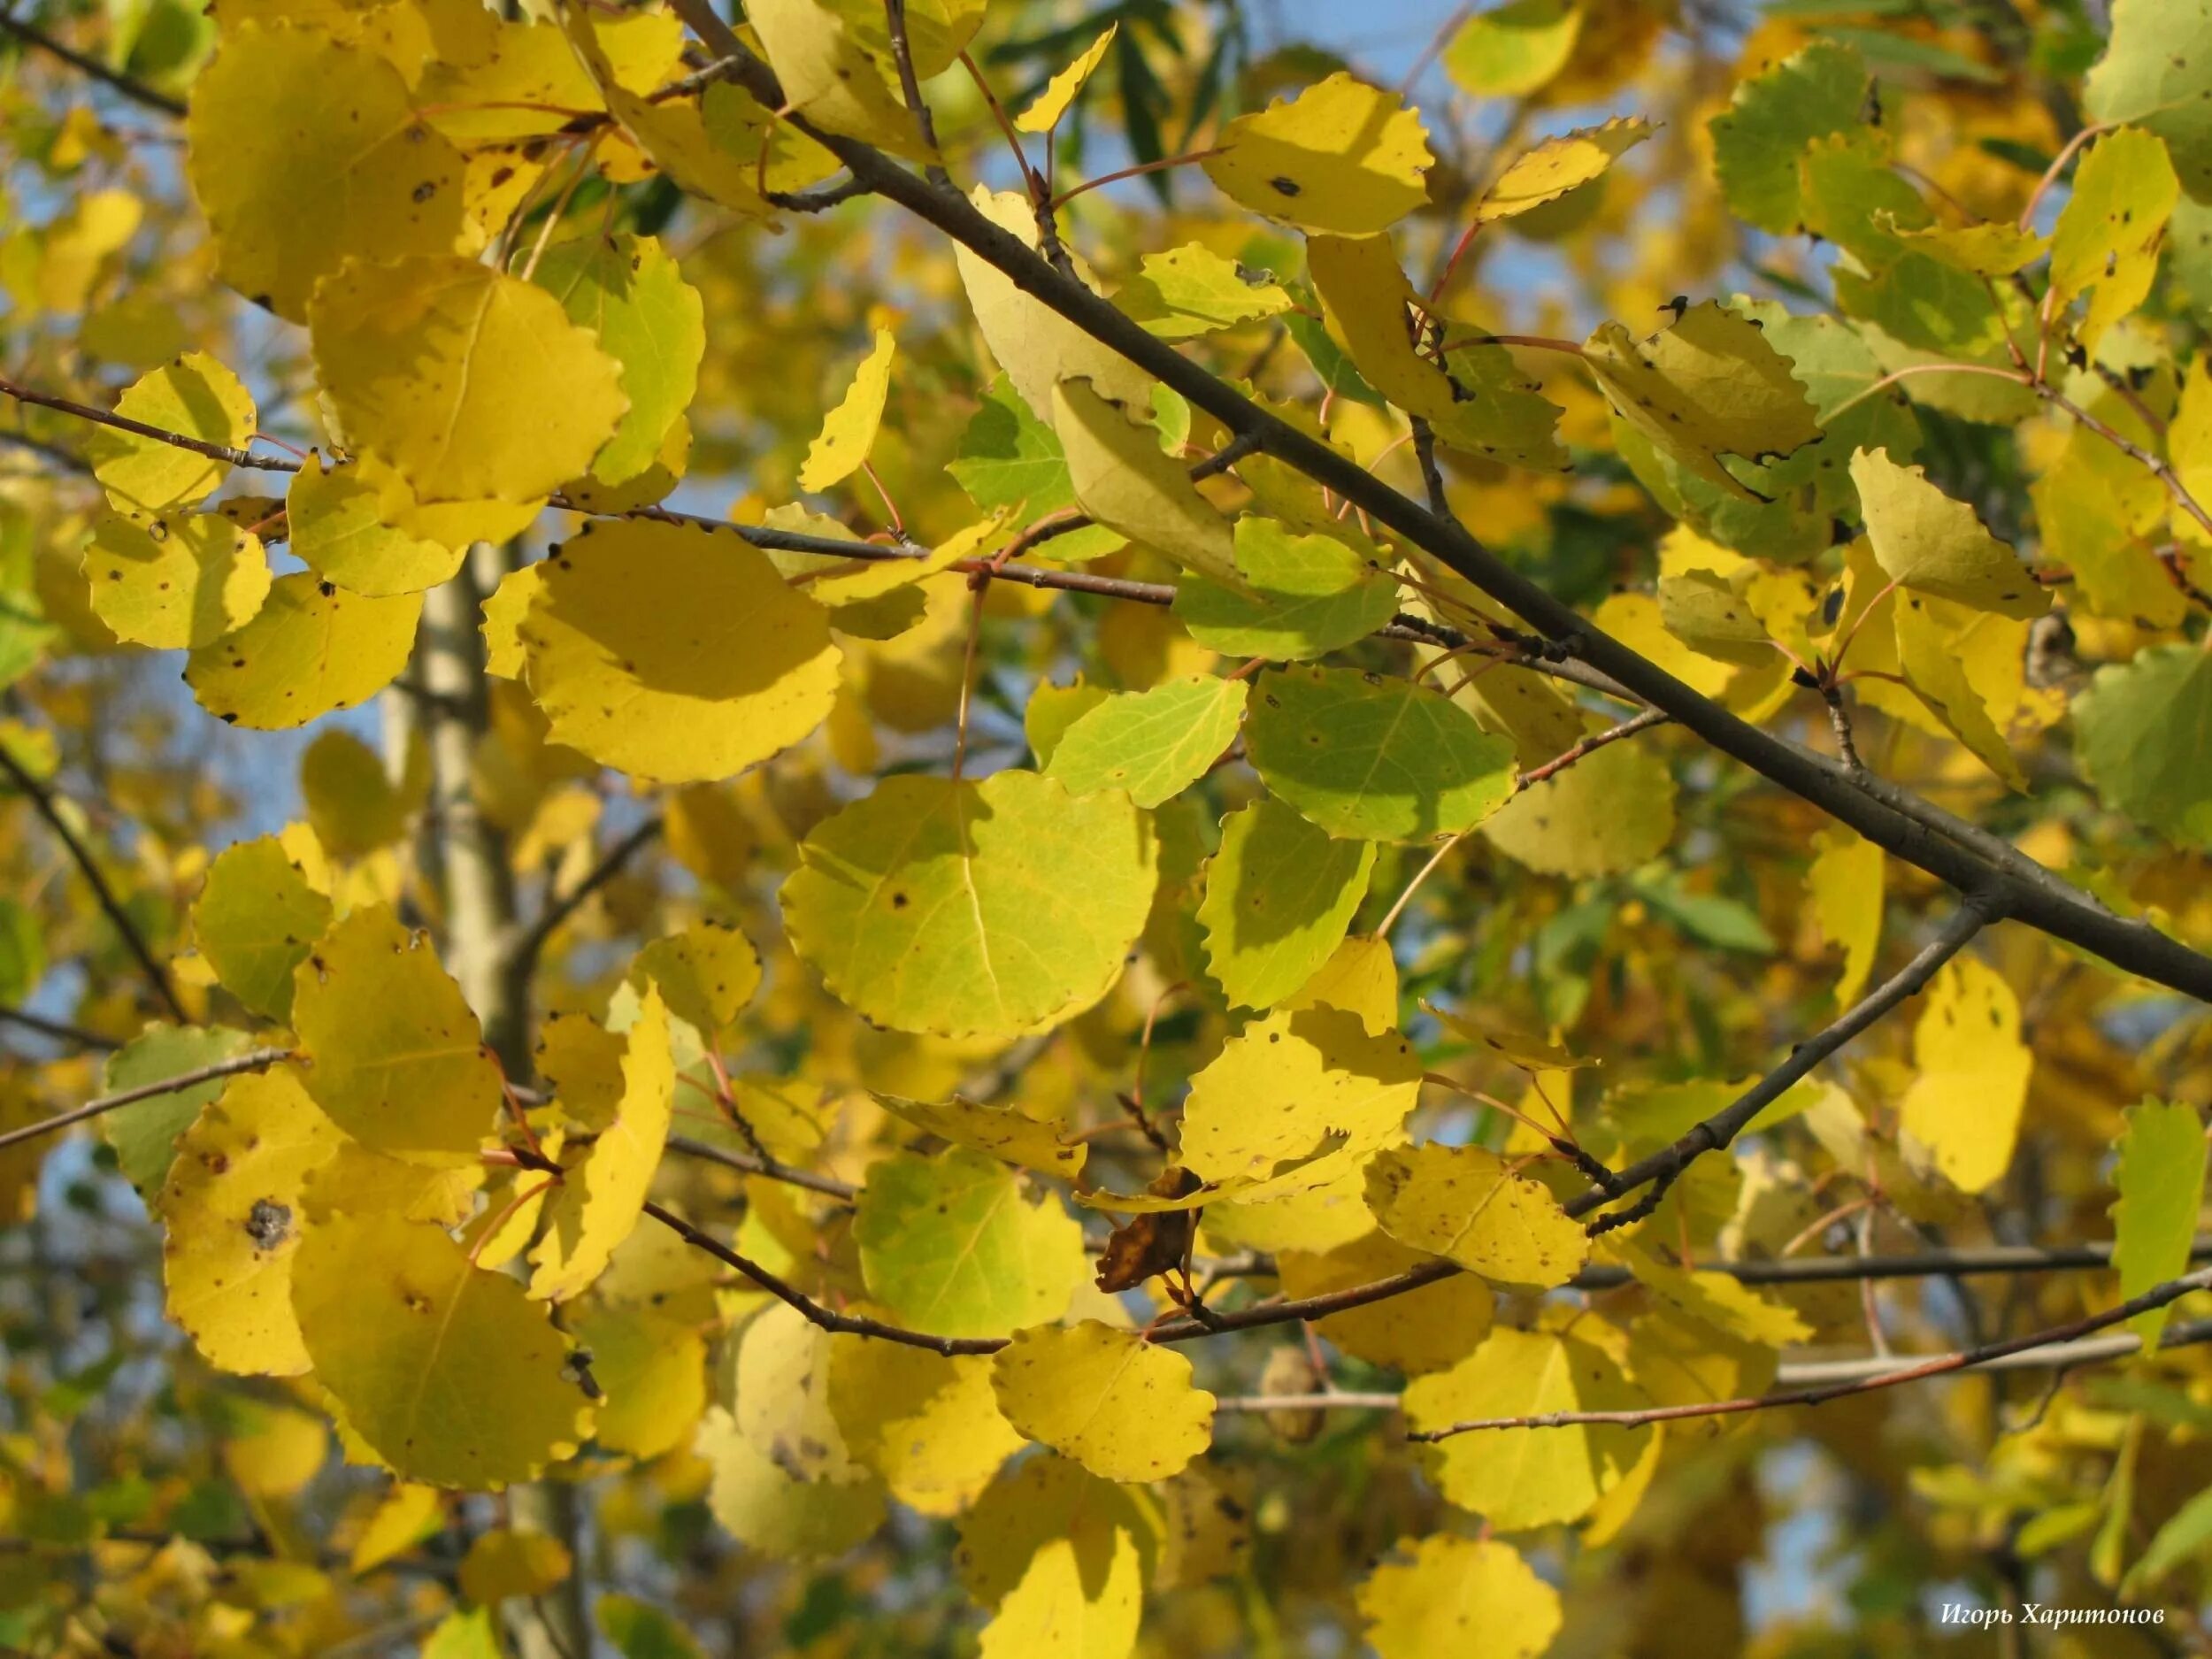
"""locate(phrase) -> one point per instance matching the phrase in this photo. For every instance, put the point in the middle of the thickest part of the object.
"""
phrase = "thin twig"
(252, 1060)
(59, 1031)
(222, 452)
(137, 91)
(828, 1186)
(42, 798)
(527, 945)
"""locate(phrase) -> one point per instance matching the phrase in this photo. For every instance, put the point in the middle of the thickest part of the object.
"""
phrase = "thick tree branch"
(252, 1060)
(2054, 1346)
(42, 798)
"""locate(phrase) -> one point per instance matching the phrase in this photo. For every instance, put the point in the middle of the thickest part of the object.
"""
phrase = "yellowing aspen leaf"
(850, 431)
(360, 527)
(928, 1425)
(771, 1510)
(505, 1563)
(1972, 1079)
(1122, 1407)
(1716, 1300)
(1058, 1556)
(446, 1371)
(1036, 346)
(674, 653)
(144, 1132)
(1844, 887)
(1151, 745)
(1773, 119)
(1706, 613)
(1707, 385)
(599, 1199)
(1991, 251)
(506, 608)
(2141, 729)
(1121, 478)
(1045, 111)
(2161, 1183)
(943, 907)
(230, 1206)
(1361, 977)
(353, 805)
(175, 580)
(1611, 810)
(1192, 290)
(1000, 1131)
(1459, 1595)
(257, 918)
(1327, 1085)
(1931, 633)
(1466, 1204)
(195, 395)
(407, 1515)
(358, 1182)
(781, 1378)
(628, 292)
(1423, 1330)
(1375, 758)
(652, 1377)
(2154, 73)
(706, 974)
(1279, 895)
(310, 649)
(1559, 164)
(1305, 595)
(829, 73)
(392, 1051)
(304, 153)
(470, 383)
(1365, 296)
(1340, 156)
(2108, 235)
(953, 1246)
(1926, 541)
(1521, 1479)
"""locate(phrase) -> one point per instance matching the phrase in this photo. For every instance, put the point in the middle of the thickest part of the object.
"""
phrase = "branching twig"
(524, 951)
(745, 1162)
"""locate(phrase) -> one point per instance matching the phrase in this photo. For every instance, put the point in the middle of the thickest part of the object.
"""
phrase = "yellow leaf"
(1844, 887)
(1036, 346)
(1340, 157)
(304, 153)
(939, 907)
(652, 1375)
(675, 653)
(311, 650)
(850, 431)
(1329, 1087)
(360, 1182)
(448, 1372)
(1714, 1299)
(1423, 1330)
(1558, 165)
(1925, 541)
(470, 384)
(1930, 640)
(407, 1515)
(1045, 111)
(256, 919)
(771, 1510)
(1611, 810)
(928, 1425)
(1965, 1103)
(831, 75)
(1000, 1131)
(231, 1205)
(706, 974)
(781, 1373)
(1058, 1556)
(1459, 1595)
(600, 1200)
(1466, 1204)
(2109, 234)
(174, 581)
(1521, 1479)
(1123, 479)
(1122, 1407)
(195, 395)
(392, 1051)
(353, 805)
(351, 524)
(506, 607)
(504, 1562)
(277, 1450)
(861, 579)
(1708, 385)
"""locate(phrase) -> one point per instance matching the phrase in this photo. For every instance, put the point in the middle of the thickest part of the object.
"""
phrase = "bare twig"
(252, 1060)
(59, 1030)
(42, 798)
(137, 91)
(526, 947)
(746, 1163)
(222, 452)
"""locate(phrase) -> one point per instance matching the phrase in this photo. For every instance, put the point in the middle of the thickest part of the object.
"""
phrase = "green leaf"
(1375, 758)
(2160, 1183)
(951, 1246)
(22, 951)
(2184, 1536)
(1757, 140)
(1310, 594)
(1151, 745)
(1192, 290)
(1515, 49)
(2157, 73)
(1280, 896)
(628, 291)
(2142, 730)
